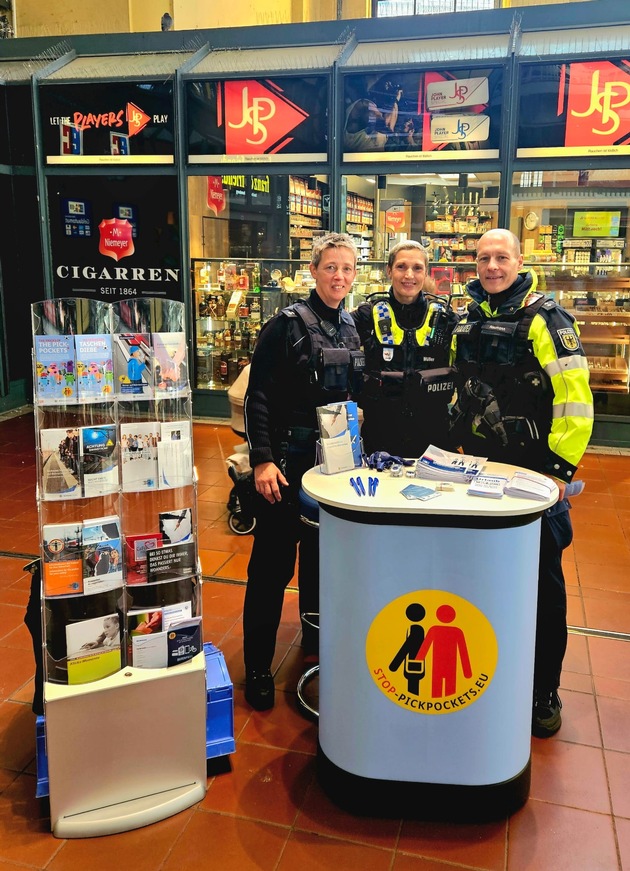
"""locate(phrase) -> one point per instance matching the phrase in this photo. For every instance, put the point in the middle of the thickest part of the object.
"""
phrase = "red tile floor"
(265, 810)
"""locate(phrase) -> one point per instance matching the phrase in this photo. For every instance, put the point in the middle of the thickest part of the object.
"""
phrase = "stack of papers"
(447, 466)
(529, 485)
(487, 485)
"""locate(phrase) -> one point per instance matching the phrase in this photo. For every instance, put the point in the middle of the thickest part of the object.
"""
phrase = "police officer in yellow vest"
(524, 398)
(406, 335)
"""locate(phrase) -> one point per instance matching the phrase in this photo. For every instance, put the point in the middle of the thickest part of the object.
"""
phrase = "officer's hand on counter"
(562, 486)
(268, 478)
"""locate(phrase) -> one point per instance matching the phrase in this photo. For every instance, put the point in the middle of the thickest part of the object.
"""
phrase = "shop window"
(446, 212)
(573, 226)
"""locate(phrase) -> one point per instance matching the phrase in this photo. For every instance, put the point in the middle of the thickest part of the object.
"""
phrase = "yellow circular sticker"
(431, 652)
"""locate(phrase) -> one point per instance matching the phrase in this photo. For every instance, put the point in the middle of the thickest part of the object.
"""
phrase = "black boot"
(259, 689)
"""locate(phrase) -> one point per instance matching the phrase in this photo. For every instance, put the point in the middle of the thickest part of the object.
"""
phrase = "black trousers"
(278, 536)
(551, 621)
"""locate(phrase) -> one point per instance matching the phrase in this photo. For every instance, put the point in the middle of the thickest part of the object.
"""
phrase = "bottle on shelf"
(254, 312)
(220, 309)
(243, 280)
(221, 276)
(227, 336)
(256, 278)
(237, 337)
(245, 337)
(243, 309)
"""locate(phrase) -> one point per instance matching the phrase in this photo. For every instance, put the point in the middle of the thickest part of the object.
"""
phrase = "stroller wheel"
(240, 524)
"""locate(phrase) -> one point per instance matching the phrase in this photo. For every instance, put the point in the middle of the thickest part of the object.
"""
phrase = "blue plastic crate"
(41, 757)
(220, 704)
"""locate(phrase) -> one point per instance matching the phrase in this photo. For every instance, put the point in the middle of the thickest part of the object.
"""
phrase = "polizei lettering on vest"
(118, 273)
(434, 388)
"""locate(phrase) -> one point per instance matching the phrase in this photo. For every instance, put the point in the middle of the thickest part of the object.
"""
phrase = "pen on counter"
(361, 487)
(374, 486)
(355, 486)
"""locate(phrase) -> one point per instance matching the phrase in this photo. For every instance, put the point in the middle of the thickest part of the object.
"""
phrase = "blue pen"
(355, 486)
(361, 487)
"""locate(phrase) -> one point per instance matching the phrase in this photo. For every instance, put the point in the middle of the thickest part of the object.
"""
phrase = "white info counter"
(427, 628)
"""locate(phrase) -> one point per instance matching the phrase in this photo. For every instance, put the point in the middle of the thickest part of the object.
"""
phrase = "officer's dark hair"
(333, 240)
(408, 245)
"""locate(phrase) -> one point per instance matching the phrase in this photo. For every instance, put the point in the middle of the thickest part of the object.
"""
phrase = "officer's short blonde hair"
(407, 245)
(333, 240)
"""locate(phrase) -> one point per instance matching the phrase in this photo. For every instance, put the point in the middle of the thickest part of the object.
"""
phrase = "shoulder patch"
(289, 313)
(549, 304)
(568, 338)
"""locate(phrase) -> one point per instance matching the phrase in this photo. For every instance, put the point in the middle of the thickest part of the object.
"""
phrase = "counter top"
(336, 491)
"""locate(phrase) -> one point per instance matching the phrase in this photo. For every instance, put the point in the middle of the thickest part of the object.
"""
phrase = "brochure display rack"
(124, 668)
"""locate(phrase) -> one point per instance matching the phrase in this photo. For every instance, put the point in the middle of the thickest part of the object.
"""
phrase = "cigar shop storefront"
(205, 173)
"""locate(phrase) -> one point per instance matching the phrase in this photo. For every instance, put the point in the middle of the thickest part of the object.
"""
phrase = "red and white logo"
(116, 238)
(137, 120)
(258, 118)
(216, 194)
(598, 107)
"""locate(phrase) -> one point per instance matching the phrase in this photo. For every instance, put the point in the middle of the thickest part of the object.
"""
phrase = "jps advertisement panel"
(416, 115)
(115, 238)
(258, 120)
(112, 122)
(574, 109)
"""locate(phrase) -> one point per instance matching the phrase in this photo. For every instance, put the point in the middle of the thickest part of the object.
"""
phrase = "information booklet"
(337, 454)
(136, 547)
(442, 465)
(184, 640)
(171, 561)
(62, 568)
(490, 486)
(98, 446)
(170, 376)
(93, 648)
(176, 525)
(175, 465)
(139, 451)
(55, 369)
(132, 365)
(95, 367)
(102, 554)
(146, 632)
(60, 463)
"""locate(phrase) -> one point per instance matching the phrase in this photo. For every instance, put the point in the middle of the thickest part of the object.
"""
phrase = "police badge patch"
(569, 339)
(388, 354)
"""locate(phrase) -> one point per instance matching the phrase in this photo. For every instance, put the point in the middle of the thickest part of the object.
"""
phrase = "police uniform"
(302, 360)
(524, 398)
(407, 383)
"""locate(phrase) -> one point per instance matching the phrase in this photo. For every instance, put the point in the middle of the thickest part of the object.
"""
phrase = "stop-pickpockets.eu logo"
(431, 652)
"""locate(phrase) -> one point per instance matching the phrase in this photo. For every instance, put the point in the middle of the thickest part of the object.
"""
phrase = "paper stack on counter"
(529, 485)
(448, 466)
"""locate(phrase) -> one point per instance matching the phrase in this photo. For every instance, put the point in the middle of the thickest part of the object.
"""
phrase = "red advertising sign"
(258, 118)
(598, 108)
(116, 238)
(574, 109)
(216, 198)
(395, 219)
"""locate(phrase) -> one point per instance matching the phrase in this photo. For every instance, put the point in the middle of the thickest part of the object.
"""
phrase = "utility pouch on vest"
(335, 368)
(498, 343)
(438, 383)
(357, 369)
(467, 340)
(392, 384)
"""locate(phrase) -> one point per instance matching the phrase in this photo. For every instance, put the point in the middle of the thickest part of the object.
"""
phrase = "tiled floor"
(264, 809)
